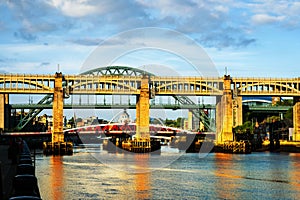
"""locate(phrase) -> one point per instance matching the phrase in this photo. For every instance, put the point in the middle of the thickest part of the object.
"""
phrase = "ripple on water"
(217, 176)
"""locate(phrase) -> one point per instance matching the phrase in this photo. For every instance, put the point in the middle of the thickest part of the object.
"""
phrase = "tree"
(247, 126)
(289, 114)
(78, 119)
(285, 102)
(170, 122)
(71, 122)
(179, 122)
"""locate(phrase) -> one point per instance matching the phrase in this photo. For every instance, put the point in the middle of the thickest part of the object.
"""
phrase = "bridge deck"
(117, 84)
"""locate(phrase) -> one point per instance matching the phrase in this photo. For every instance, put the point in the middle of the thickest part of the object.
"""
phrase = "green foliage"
(247, 116)
(156, 121)
(179, 122)
(71, 120)
(247, 126)
(289, 114)
(285, 102)
(272, 118)
(169, 122)
(174, 123)
(78, 119)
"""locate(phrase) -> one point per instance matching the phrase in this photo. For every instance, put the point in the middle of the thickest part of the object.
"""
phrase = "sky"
(249, 38)
(257, 38)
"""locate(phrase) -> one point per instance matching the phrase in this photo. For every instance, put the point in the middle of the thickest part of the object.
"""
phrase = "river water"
(93, 173)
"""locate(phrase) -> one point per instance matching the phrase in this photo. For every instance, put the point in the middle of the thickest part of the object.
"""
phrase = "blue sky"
(250, 38)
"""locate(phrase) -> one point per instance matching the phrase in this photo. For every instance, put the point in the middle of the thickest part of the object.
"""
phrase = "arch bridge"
(126, 81)
(45, 102)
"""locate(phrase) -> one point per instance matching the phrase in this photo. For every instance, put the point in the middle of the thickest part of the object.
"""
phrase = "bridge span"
(228, 91)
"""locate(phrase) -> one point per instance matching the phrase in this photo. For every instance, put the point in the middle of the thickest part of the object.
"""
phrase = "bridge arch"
(117, 71)
(111, 71)
(106, 84)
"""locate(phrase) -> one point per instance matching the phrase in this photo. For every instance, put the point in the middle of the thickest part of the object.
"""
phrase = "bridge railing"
(86, 84)
(26, 83)
(187, 86)
(117, 84)
(266, 86)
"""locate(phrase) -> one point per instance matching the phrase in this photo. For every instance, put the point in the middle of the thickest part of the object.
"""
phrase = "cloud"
(30, 20)
(5, 59)
(284, 13)
(24, 34)
(86, 41)
(44, 64)
(210, 23)
(260, 19)
(75, 8)
(3, 71)
(220, 23)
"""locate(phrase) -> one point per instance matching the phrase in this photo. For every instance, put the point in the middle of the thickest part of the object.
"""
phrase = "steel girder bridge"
(172, 106)
(128, 81)
(182, 102)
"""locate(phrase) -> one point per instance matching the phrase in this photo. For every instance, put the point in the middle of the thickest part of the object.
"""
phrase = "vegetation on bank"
(250, 121)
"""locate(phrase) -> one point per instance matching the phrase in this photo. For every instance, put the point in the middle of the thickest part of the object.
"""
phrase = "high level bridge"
(228, 90)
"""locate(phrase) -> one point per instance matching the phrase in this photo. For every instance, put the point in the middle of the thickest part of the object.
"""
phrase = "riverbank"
(17, 171)
(283, 146)
(7, 173)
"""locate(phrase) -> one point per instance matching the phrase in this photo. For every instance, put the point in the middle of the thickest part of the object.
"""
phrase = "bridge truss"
(109, 80)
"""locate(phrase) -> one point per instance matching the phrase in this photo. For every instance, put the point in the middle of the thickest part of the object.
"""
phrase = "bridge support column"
(58, 109)
(58, 145)
(237, 111)
(4, 112)
(190, 120)
(296, 119)
(218, 119)
(142, 143)
(142, 110)
(224, 114)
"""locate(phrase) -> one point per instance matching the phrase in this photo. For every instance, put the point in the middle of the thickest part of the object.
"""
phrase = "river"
(92, 173)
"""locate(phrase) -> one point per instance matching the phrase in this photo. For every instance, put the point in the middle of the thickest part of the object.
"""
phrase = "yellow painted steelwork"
(58, 110)
(142, 110)
(296, 119)
(222, 87)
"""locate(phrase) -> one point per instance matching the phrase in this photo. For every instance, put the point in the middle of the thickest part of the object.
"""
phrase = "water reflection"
(294, 172)
(218, 176)
(226, 183)
(56, 178)
(142, 179)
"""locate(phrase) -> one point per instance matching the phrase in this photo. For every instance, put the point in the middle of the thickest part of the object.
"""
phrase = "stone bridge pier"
(58, 109)
(224, 113)
(296, 119)
(142, 110)
(237, 107)
(4, 112)
(58, 145)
